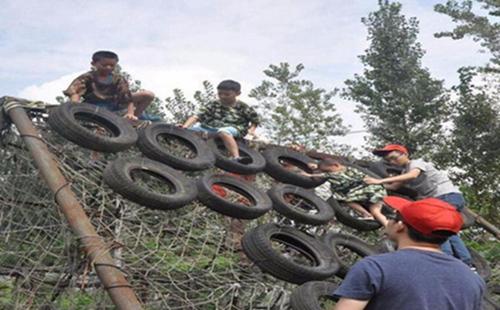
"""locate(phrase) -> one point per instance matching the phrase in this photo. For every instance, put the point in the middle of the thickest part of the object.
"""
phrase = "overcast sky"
(179, 44)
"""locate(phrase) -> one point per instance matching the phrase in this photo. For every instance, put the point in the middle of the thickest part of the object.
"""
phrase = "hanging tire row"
(282, 251)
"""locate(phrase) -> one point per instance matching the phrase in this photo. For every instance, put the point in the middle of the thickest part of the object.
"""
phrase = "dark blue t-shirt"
(413, 279)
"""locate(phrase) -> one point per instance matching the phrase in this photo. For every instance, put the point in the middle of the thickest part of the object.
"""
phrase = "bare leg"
(356, 206)
(142, 100)
(230, 144)
(376, 211)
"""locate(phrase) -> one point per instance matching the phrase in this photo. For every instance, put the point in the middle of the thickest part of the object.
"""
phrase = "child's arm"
(130, 112)
(313, 175)
(410, 175)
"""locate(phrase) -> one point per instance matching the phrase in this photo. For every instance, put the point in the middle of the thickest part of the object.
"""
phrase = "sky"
(179, 44)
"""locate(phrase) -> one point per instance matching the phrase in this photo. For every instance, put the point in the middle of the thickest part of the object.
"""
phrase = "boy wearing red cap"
(417, 275)
(427, 181)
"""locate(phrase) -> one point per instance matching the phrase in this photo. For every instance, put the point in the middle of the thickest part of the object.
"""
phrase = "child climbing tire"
(279, 160)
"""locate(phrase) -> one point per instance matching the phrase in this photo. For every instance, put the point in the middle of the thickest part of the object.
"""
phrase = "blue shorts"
(109, 106)
(229, 130)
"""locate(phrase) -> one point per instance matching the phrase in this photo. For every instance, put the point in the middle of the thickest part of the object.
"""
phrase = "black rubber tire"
(469, 219)
(308, 295)
(354, 244)
(324, 212)
(118, 176)
(63, 120)
(482, 267)
(343, 216)
(489, 300)
(258, 162)
(276, 170)
(258, 247)
(261, 203)
(151, 148)
(382, 169)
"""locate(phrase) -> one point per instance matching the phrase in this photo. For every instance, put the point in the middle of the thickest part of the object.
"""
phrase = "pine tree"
(398, 99)
(293, 111)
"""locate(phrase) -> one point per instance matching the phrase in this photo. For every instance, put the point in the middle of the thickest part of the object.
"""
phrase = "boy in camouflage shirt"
(227, 118)
(103, 87)
(346, 184)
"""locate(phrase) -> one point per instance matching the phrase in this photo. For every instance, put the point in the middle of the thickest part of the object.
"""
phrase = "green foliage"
(181, 108)
(474, 143)
(294, 111)
(483, 29)
(398, 99)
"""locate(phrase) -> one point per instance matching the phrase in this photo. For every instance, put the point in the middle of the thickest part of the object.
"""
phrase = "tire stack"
(285, 251)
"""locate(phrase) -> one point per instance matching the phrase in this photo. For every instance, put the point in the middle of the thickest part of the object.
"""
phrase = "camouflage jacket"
(215, 115)
(116, 91)
(348, 185)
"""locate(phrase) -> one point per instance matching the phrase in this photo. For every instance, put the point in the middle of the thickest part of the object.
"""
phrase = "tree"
(293, 111)
(474, 143)
(482, 29)
(398, 99)
(181, 108)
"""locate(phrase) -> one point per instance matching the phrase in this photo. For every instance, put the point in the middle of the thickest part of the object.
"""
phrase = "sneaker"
(245, 160)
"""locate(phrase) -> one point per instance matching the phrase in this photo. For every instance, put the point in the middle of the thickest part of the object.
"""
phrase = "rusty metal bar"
(481, 221)
(112, 278)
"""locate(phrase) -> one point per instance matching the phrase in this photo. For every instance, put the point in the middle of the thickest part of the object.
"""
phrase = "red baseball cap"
(389, 148)
(427, 215)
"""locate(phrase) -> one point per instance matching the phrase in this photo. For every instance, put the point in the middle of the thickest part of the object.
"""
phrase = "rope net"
(189, 258)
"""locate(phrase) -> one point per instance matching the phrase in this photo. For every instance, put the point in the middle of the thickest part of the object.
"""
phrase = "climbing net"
(187, 258)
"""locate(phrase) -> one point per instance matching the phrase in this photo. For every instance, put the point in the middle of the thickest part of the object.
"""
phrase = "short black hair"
(229, 85)
(97, 56)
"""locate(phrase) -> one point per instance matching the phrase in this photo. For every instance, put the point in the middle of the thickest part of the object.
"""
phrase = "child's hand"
(312, 166)
(305, 173)
(130, 116)
(372, 181)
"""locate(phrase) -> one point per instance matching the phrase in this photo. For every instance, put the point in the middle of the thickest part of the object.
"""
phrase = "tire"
(274, 156)
(221, 161)
(490, 301)
(258, 247)
(482, 267)
(150, 145)
(65, 118)
(343, 215)
(120, 176)
(469, 219)
(354, 244)
(309, 295)
(260, 202)
(383, 170)
(364, 170)
(307, 202)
